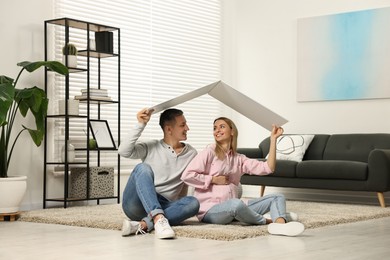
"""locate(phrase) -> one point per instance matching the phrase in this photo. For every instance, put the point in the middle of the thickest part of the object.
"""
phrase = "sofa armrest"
(250, 152)
(379, 169)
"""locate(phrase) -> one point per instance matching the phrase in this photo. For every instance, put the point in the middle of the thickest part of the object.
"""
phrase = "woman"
(215, 174)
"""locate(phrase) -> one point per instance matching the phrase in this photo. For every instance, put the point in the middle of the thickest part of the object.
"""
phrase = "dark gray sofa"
(350, 162)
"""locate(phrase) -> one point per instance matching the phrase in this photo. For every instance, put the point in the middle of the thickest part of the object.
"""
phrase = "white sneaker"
(163, 229)
(290, 216)
(131, 227)
(290, 229)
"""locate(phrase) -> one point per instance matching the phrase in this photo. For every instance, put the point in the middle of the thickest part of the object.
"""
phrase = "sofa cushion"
(292, 147)
(285, 168)
(332, 169)
(315, 150)
(354, 147)
(250, 152)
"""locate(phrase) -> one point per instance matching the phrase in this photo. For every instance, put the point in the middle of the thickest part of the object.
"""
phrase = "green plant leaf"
(3, 155)
(39, 115)
(5, 79)
(31, 99)
(52, 65)
(36, 135)
(7, 93)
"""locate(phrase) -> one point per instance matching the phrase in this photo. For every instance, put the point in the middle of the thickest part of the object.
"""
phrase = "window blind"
(167, 48)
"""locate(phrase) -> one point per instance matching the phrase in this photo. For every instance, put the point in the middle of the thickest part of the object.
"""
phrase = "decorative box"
(101, 182)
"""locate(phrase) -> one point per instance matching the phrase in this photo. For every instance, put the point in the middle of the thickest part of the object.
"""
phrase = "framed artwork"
(102, 134)
(344, 56)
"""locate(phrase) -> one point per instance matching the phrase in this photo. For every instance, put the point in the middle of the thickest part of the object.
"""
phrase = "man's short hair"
(168, 117)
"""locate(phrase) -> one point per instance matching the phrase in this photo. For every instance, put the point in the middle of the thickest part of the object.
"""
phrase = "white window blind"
(167, 48)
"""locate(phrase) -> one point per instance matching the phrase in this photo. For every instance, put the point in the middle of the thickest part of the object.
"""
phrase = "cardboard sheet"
(232, 98)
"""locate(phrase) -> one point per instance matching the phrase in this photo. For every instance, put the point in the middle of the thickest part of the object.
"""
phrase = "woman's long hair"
(219, 151)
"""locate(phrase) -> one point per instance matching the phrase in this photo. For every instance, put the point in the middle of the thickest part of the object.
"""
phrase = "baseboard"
(369, 198)
(53, 204)
(30, 206)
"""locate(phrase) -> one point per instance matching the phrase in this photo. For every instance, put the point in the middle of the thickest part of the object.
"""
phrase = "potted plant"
(69, 50)
(12, 100)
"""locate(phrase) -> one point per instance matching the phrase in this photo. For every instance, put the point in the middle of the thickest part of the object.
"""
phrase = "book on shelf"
(94, 94)
(97, 90)
(85, 97)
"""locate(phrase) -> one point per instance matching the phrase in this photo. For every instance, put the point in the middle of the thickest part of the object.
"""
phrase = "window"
(167, 48)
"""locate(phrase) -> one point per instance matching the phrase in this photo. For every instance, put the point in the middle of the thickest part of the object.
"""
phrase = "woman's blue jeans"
(236, 209)
(142, 202)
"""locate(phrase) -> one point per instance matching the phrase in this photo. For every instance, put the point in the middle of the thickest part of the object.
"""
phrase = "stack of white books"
(94, 94)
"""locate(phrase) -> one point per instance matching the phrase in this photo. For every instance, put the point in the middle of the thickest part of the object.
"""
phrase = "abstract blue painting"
(344, 56)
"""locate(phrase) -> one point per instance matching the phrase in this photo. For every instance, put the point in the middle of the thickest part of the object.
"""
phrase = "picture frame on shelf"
(102, 134)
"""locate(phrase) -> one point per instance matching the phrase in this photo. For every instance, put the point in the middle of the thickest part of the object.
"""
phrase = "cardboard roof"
(232, 98)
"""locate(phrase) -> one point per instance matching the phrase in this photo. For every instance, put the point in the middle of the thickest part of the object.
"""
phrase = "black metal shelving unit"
(82, 29)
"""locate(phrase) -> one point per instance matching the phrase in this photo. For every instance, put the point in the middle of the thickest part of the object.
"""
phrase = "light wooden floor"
(362, 240)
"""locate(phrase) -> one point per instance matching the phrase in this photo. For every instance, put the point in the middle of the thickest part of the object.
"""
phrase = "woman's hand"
(220, 180)
(276, 131)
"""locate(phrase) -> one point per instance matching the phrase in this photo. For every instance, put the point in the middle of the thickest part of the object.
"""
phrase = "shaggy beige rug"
(311, 214)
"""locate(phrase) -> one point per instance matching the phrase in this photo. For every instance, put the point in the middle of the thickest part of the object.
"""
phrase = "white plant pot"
(72, 61)
(12, 191)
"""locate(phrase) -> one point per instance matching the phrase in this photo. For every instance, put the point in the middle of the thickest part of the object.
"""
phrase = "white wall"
(22, 38)
(260, 60)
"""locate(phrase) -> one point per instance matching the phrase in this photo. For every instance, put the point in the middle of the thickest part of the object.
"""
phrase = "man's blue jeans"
(235, 209)
(142, 202)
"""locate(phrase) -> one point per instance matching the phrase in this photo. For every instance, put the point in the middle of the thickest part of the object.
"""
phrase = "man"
(153, 197)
